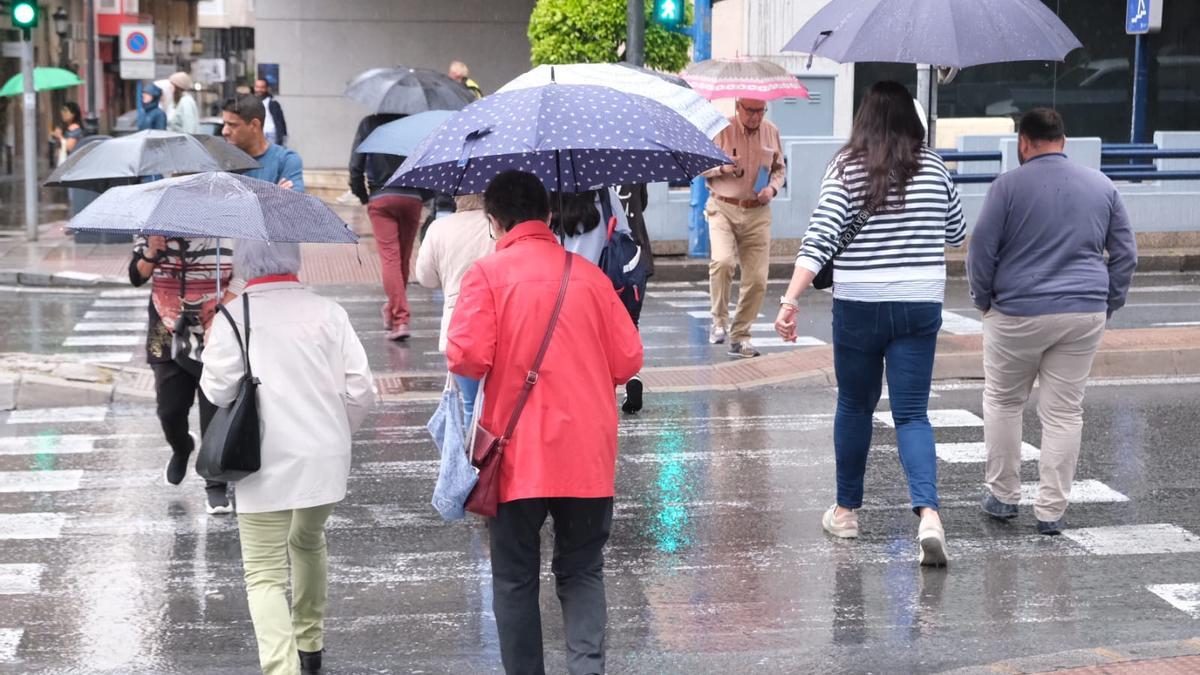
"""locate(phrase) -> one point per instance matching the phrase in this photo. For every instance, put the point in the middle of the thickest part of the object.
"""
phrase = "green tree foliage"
(591, 31)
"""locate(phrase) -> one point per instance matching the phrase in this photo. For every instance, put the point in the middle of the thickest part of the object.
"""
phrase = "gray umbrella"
(214, 204)
(99, 165)
(228, 155)
(953, 33)
(407, 91)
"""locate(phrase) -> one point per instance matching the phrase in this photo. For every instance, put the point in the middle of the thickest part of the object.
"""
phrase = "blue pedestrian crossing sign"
(1143, 16)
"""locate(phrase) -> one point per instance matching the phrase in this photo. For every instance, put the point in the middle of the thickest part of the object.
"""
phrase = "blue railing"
(1119, 161)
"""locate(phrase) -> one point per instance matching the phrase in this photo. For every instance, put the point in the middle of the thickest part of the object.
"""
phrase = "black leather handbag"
(232, 445)
(824, 278)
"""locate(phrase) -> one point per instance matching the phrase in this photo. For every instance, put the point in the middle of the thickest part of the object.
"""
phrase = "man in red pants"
(395, 218)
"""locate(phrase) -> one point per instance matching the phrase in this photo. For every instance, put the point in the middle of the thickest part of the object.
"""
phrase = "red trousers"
(396, 221)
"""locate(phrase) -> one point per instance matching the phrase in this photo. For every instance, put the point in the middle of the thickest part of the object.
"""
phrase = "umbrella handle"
(817, 43)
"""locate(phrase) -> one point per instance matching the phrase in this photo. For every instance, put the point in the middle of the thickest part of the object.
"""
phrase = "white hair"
(253, 259)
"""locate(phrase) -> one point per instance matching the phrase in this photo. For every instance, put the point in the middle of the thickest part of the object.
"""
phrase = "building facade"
(320, 46)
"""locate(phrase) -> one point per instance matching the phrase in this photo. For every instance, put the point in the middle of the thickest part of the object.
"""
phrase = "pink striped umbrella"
(743, 78)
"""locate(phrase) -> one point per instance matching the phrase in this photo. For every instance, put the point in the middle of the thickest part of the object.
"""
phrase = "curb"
(1146, 654)
(65, 279)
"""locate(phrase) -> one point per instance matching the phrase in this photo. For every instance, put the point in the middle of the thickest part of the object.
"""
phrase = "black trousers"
(581, 528)
(175, 389)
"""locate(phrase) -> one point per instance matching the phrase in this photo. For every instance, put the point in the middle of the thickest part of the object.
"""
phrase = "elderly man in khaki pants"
(739, 221)
(1039, 273)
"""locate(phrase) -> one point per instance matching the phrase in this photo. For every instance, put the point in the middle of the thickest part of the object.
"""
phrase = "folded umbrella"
(403, 136)
(743, 78)
(573, 137)
(97, 166)
(44, 79)
(953, 33)
(214, 204)
(631, 80)
(407, 91)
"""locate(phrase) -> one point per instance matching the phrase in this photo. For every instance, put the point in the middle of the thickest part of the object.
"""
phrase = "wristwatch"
(785, 301)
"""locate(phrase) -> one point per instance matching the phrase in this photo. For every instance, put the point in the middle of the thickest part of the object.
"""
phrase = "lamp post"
(91, 123)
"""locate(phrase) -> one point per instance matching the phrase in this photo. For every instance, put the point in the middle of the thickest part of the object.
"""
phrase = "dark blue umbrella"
(214, 204)
(403, 136)
(954, 33)
(573, 137)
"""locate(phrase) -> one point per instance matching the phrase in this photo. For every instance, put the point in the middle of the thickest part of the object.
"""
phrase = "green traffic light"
(668, 12)
(24, 14)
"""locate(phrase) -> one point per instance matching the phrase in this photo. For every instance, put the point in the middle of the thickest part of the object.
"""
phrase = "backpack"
(621, 260)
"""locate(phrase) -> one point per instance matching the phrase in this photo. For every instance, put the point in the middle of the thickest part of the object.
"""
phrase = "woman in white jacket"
(315, 390)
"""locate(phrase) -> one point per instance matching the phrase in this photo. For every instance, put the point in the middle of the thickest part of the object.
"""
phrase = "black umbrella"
(228, 155)
(407, 91)
(100, 165)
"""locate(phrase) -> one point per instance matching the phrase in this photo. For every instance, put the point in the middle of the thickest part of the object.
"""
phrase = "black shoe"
(310, 662)
(218, 500)
(996, 508)
(1051, 528)
(633, 396)
(177, 468)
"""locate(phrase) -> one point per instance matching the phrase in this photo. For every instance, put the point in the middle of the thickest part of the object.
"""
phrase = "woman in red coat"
(561, 459)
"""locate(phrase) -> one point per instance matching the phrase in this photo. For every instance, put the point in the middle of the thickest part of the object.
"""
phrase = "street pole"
(1141, 78)
(635, 32)
(698, 243)
(29, 138)
(91, 124)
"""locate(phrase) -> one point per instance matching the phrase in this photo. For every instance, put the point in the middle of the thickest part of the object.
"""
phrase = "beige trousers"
(1057, 350)
(738, 235)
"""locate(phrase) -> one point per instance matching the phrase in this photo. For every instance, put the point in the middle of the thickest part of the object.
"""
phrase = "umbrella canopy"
(44, 79)
(631, 80)
(214, 204)
(229, 156)
(743, 78)
(408, 91)
(402, 136)
(146, 153)
(954, 33)
(574, 137)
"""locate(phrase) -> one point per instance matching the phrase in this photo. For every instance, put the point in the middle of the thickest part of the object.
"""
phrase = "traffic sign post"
(1142, 17)
(137, 52)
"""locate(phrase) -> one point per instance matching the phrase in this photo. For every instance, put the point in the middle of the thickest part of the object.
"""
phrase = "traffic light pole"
(635, 32)
(29, 138)
(91, 122)
(698, 244)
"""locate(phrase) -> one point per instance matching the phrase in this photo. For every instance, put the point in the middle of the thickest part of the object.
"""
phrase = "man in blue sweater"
(243, 117)
(1038, 272)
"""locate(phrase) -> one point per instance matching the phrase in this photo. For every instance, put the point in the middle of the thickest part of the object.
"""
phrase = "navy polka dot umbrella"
(573, 137)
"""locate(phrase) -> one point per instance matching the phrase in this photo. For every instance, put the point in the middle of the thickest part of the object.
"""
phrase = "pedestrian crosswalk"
(110, 329)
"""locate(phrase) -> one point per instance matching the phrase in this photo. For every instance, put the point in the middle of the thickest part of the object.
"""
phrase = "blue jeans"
(866, 335)
(470, 391)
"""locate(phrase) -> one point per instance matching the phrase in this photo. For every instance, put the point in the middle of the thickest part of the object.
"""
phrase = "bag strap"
(237, 334)
(610, 221)
(532, 378)
(860, 220)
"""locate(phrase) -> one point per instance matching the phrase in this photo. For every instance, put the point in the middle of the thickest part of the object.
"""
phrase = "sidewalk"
(1174, 657)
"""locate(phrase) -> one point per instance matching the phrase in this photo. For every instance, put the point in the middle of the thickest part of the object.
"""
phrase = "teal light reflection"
(670, 518)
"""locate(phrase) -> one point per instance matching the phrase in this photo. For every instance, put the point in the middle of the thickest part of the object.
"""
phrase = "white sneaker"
(932, 539)
(844, 525)
(717, 334)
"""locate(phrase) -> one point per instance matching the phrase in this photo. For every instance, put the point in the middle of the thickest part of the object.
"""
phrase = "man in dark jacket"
(395, 218)
(276, 126)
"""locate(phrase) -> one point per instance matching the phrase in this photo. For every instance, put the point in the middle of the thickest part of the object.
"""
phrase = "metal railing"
(1119, 161)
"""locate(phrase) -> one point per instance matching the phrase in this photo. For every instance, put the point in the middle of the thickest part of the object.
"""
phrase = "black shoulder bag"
(824, 278)
(232, 445)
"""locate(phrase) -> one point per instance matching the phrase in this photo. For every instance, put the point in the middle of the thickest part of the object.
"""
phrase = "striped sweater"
(899, 255)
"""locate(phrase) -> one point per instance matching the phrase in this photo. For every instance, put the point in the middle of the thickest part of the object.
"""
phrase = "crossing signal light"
(24, 14)
(668, 13)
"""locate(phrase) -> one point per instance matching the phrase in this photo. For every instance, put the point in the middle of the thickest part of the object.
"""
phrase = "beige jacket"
(450, 247)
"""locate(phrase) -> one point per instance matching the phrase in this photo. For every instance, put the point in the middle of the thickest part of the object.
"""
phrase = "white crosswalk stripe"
(106, 357)
(1184, 597)
(114, 326)
(1082, 492)
(50, 443)
(40, 481)
(142, 293)
(31, 525)
(93, 413)
(106, 315)
(21, 578)
(103, 341)
(1157, 538)
(957, 324)
(110, 303)
(10, 639)
(939, 418)
(969, 453)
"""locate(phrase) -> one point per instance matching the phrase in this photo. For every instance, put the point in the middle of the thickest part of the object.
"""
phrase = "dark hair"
(76, 115)
(886, 140)
(515, 197)
(579, 213)
(247, 107)
(1043, 125)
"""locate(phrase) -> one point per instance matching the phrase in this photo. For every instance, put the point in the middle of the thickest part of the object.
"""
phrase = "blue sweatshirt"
(1038, 247)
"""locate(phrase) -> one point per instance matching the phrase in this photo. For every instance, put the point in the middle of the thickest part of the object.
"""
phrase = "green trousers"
(268, 541)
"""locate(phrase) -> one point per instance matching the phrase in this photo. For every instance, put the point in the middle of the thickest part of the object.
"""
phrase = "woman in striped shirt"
(888, 287)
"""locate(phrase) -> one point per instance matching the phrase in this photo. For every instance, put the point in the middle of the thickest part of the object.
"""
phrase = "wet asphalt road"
(717, 562)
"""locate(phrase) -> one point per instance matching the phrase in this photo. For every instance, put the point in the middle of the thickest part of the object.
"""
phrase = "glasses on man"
(753, 111)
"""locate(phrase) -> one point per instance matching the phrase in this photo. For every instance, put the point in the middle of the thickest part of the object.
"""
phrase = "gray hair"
(253, 259)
